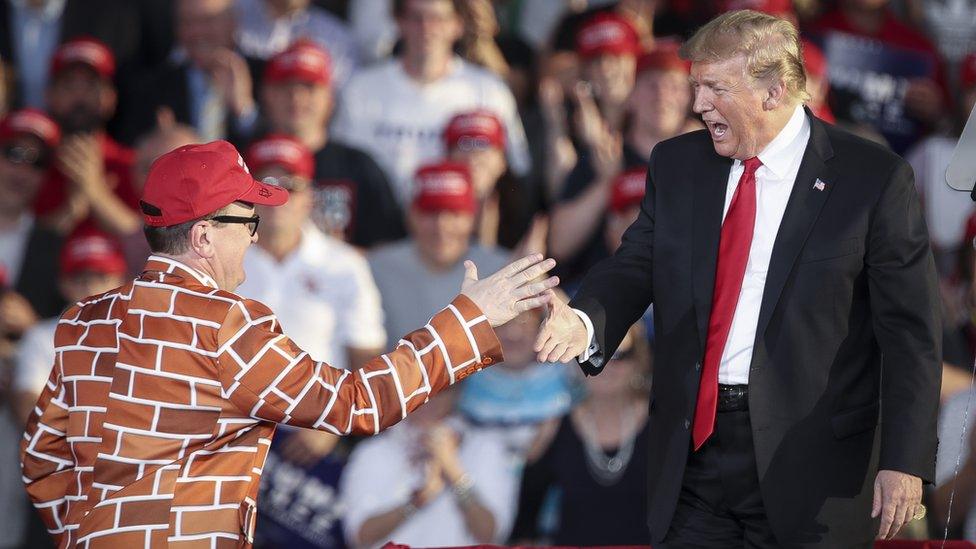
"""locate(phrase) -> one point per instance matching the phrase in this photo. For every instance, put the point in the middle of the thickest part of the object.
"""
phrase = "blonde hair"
(770, 45)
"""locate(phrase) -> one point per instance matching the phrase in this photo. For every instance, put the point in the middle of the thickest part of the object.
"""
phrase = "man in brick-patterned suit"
(155, 422)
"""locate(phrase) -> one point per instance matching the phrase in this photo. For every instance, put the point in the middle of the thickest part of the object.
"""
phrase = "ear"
(775, 95)
(201, 237)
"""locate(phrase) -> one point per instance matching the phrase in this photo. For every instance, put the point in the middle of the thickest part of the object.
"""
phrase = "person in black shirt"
(595, 456)
(353, 201)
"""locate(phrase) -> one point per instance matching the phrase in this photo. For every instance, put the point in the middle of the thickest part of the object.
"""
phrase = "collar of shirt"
(50, 11)
(169, 266)
(783, 151)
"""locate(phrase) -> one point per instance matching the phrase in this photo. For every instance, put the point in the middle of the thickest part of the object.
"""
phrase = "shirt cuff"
(592, 347)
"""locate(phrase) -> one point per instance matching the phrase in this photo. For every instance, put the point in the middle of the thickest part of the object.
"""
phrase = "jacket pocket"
(822, 251)
(855, 420)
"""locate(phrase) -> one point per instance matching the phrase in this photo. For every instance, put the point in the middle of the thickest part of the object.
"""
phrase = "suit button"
(687, 423)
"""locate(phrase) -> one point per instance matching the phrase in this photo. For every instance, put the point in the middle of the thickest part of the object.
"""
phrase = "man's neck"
(426, 69)
(643, 140)
(280, 244)
(432, 264)
(777, 122)
(314, 137)
(868, 21)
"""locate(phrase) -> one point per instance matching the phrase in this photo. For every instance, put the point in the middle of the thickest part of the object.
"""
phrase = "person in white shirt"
(431, 481)
(397, 109)
(319, 286)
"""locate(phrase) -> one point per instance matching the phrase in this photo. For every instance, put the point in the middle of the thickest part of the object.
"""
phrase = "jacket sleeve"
(268, 377)
(903, 290)
(617, 291)
(46, 459)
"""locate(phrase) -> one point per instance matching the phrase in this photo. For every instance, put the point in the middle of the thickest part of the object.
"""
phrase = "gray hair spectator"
(353, 197)
(397, 109)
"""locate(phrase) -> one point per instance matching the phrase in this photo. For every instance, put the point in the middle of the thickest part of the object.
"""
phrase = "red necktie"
(733, 254)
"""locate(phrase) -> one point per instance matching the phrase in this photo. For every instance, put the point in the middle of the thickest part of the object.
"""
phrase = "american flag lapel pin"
(819, 185)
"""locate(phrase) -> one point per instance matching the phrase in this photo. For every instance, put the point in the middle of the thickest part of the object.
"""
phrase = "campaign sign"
(868, 81)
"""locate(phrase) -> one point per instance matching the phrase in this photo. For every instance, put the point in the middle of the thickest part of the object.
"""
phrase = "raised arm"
(269, 377)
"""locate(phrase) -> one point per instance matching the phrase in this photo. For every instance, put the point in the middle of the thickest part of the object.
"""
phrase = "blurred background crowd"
(415, 134)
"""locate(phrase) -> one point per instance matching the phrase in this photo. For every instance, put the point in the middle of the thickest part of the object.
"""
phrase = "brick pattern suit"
(157, 417)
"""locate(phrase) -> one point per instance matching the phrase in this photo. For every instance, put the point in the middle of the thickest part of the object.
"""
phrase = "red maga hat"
(85, 51)
(967, 71)
(303, 61)
(92, 250)
(475, 130)
(628, 189)
(281, 150)
(196, 180)
(444, 186)
(30, 122)
(607, 33)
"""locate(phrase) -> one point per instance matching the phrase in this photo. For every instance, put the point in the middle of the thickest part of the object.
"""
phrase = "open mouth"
(717, 129)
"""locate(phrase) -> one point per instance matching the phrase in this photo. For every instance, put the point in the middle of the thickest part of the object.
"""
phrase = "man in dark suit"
(795, 303)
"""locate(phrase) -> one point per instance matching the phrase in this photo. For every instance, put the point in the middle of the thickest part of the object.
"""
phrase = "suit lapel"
(710, 186)
(811, 189)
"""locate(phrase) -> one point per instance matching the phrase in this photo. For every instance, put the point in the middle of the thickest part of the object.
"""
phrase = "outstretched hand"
(512, 290)
(563, 334)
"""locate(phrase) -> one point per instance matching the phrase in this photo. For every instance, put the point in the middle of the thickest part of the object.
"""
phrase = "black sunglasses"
(36, 158)
(251, 222)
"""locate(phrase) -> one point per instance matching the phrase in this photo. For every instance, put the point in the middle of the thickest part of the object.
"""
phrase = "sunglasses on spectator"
(30, 156)
(251, 222)
(287, 182)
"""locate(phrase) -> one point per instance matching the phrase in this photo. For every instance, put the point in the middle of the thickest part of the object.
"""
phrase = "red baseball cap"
(967, 71)
(814, 60)
(304, 61)
(663, 58)
(283, 151)
(196, 180)
(444, 186)
(607, 33)
(771, 7)
(92, 250)
(628, 189)
(86, 51)
(30, 122)
(479, 129)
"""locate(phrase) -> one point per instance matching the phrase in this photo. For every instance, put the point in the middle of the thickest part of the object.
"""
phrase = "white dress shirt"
(774, 182)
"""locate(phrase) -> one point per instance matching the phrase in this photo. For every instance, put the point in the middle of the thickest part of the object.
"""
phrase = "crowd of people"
(413, 135)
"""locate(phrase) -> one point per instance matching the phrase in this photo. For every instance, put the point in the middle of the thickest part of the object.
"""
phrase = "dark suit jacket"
(849, 329)
(38, 277)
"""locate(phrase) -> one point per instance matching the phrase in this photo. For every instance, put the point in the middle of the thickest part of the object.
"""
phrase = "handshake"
(516, 288)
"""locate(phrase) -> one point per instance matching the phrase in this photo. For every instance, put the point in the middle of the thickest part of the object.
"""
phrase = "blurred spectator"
(777, 8)
(206, 83)
(959, 313)
(626, 195)
(818, 82)
(657, 110)
(167, 135)
(607, 45)
(397, 110)
(596, 456)
(30, 31)
(91, 263)
(4, 94)
(375, 28)
(92, 180)
(28, 251)
(433, 480)
(415, 274)
(269, 27)
(955, 476)
(946, 210)
(952, 26)
(478, 43)
(353, 198)
(320, 288)
(883, 72)
(323, 294)
(514, 398)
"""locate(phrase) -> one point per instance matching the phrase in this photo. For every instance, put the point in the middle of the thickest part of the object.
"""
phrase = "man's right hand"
(512, 290)
(563, 334)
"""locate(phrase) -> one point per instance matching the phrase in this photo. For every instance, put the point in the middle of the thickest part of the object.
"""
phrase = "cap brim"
(266, 195)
